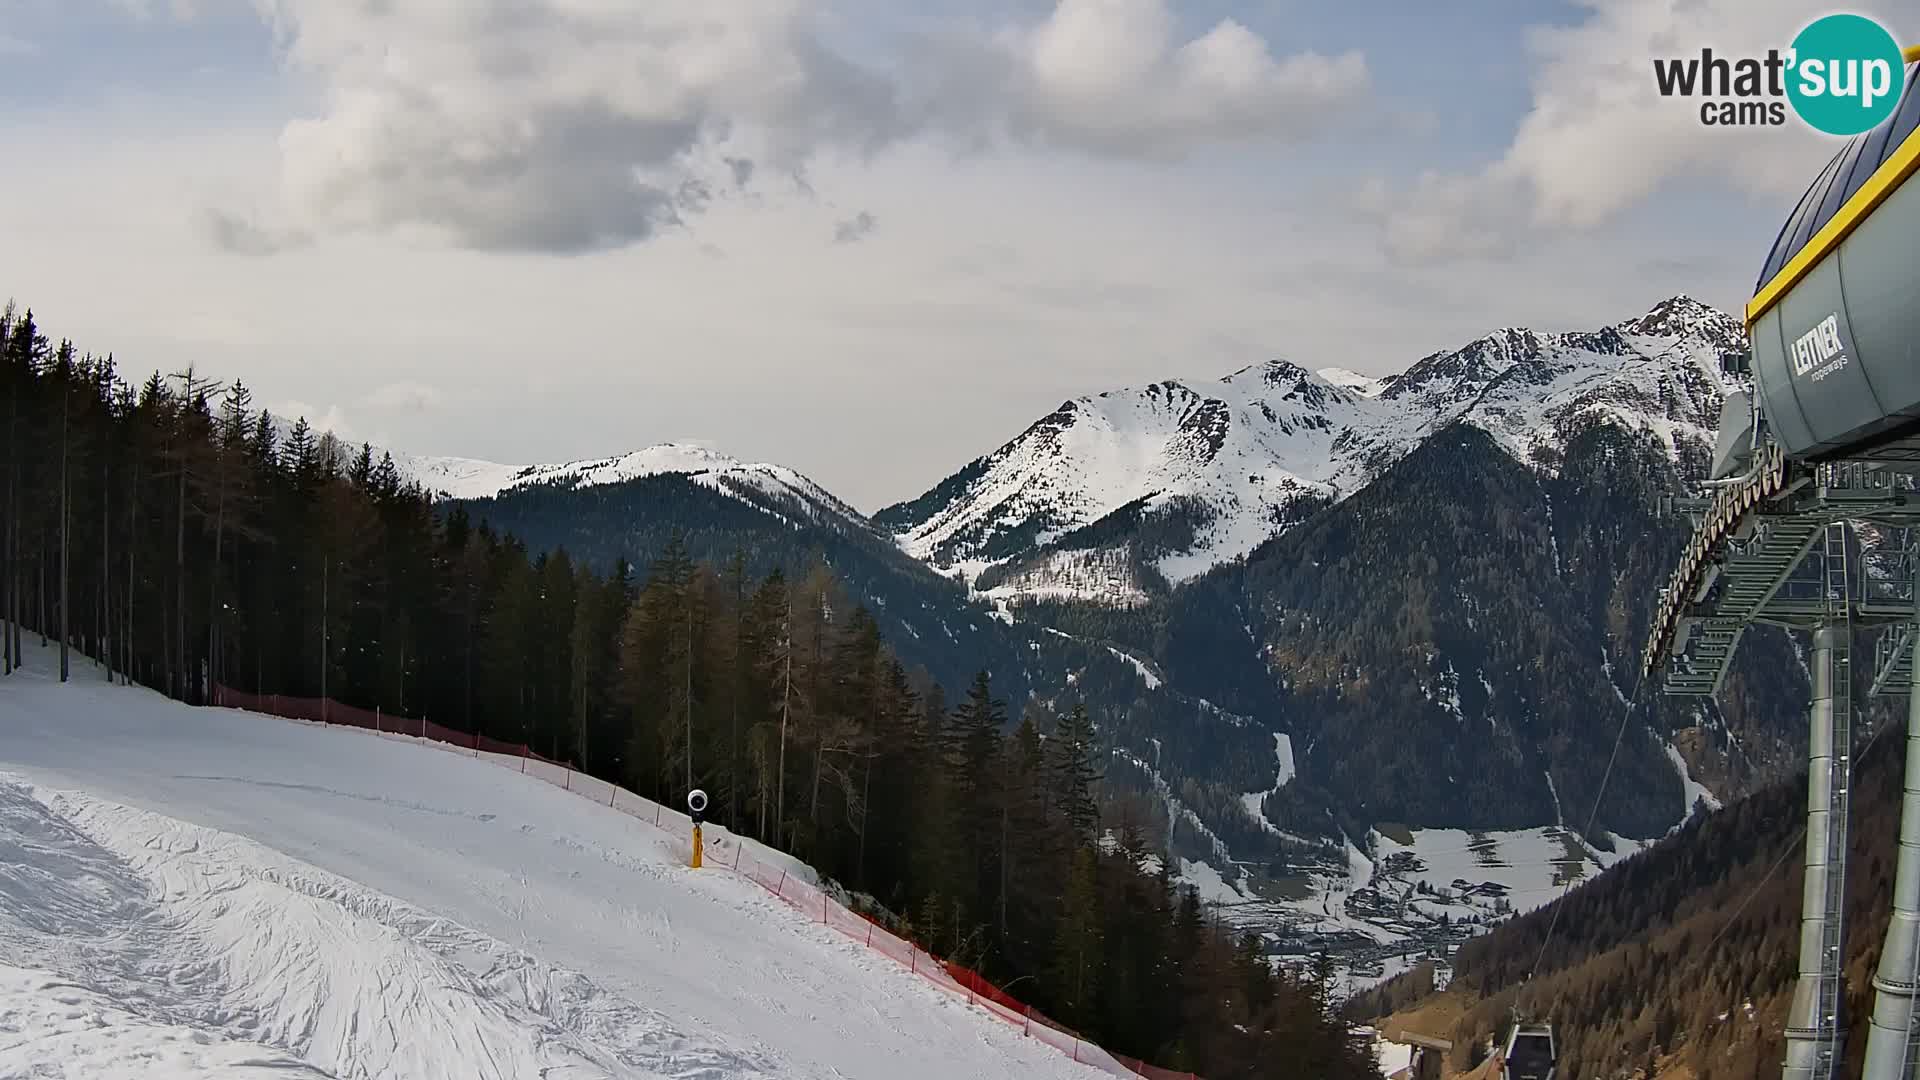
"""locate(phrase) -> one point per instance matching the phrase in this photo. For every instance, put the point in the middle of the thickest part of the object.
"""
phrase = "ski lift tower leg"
(1894, 1037)
(1814, 1024)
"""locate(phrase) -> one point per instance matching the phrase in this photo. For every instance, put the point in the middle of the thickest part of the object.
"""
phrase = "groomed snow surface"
(194, 892)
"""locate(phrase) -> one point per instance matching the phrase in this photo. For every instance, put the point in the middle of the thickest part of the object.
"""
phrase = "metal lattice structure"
(1781, 549)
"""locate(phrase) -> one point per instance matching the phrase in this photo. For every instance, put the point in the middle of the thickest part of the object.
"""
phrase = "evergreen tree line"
(180, 538)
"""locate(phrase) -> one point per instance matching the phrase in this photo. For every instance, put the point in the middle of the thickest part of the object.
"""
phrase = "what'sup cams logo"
(1843, 75)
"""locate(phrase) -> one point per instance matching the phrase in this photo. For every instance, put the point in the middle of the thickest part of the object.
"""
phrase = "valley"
(1305, 608)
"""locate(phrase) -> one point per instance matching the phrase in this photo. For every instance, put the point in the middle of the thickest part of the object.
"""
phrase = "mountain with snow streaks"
(1124, 494)
(467, 478)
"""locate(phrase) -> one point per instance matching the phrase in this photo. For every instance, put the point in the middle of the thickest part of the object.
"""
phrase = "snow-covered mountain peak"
(469, 478)
(1680, 315)
(1364, 385)
(1212, 470)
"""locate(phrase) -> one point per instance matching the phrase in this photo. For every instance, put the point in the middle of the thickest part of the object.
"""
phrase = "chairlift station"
(1826, 442)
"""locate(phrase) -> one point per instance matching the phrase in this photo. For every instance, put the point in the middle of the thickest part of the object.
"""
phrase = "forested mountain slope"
(1453, 646)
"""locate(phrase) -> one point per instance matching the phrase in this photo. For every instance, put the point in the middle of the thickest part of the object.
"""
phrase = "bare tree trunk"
(324, 565)
(6, 566)
(866, 792)
(66, 529)
(180, 585)
(213, 575)
(105, 643)
(687, 682)
(813, 801)
(786, 700)
(733, 721)
(126, 619)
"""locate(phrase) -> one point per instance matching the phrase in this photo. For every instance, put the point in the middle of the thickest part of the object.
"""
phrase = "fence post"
(376, 720)
(823, 908)
(739, 845)
(568, 786)
(1027, 1011)
(613, 790)
(1076, 1049)
(869, 935)
(523, 759)
(781, 888)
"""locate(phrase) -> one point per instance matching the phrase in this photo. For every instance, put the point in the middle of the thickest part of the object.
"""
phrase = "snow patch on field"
(1525, 862)
(1207, 881)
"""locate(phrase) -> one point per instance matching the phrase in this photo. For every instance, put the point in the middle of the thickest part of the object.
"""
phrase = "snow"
(1692, 790)
(1283, 753)
(1251, 446)
(1525, 860)
(1364, 385)
(1146, 673)
(1206, 880)
(467, 478)
(1392, 1056)
(193, 891)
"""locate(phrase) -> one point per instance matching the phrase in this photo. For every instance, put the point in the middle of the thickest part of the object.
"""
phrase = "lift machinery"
(1823, 450)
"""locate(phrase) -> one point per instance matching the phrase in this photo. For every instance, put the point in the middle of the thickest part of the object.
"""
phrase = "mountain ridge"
(1216, 468)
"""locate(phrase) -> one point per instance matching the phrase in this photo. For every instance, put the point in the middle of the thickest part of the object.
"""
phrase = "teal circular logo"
(1845, 74)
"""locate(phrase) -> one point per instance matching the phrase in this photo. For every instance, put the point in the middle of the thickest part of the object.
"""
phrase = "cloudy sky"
(870, 239)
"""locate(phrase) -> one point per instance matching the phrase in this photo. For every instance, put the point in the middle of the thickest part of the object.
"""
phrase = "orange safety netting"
(809, 899)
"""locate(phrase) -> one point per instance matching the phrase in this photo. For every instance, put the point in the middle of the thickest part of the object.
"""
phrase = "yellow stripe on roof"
(1885, 180)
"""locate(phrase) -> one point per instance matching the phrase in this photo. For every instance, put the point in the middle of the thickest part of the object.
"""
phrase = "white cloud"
(581, 125)
(332, 419)
(1110, 75)
(406, 396)
(1598, 139)
(1599, 136)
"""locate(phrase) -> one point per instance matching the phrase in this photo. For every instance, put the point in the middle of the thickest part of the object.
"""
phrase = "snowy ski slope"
(193, 892)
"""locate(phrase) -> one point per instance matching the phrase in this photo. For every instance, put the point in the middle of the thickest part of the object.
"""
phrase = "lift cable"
(1593, 816)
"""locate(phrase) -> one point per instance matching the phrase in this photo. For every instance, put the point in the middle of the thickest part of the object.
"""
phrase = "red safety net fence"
(723, 851)
(329, 711)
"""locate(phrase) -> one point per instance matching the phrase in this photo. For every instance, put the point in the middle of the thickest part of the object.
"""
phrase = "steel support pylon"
(1816, 1030)
(1893, 1039)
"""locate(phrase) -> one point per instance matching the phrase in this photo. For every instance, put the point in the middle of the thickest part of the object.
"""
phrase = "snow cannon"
(1834, 323)
(696, 809)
